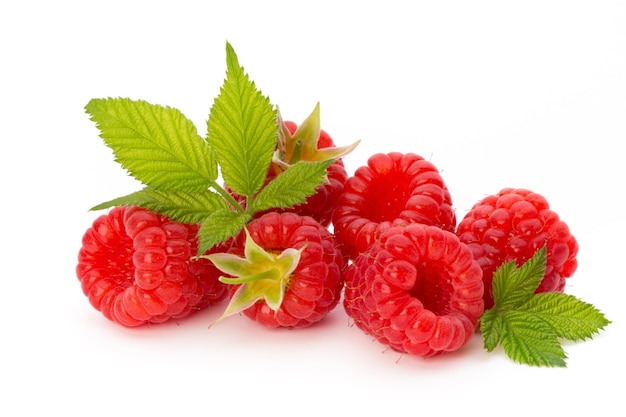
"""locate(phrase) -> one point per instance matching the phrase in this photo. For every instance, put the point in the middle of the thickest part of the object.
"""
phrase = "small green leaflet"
(182, 206)
(180, 170)
(527, 325)
(292, 186)
(529, 340)
(571, 319)
(242, 130)
(149, 140)
(219, 226)
(512, 286)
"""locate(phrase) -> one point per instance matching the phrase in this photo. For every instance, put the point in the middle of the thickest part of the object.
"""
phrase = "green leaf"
(491, 328)
(242, 130)
(179, 206)
(157, 145)
(291, 187)
(220, 226)
(513, 286)
(527, 339)
(529, 325)
(569, 317)
(501, 284)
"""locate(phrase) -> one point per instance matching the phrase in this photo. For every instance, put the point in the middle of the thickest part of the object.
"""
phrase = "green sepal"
(302, 144)
(262, 276)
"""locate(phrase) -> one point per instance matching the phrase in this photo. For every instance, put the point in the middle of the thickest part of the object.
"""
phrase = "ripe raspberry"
(513, 225)
(308, 142)
(320, 205)
(417, 289)
(392, 188)
(308, 287)
(135, 267)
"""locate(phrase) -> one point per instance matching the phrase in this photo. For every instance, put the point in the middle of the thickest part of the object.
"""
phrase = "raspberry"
(135, 267)
(308, 142)
(321, 203)
(512, 225)
(310, 290)
(417, 289)
(393, 188)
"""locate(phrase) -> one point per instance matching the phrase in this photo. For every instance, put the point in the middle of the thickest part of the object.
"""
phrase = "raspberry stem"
(228, 197)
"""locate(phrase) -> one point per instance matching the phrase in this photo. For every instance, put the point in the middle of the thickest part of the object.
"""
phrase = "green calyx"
(262, 275)
(302, 144)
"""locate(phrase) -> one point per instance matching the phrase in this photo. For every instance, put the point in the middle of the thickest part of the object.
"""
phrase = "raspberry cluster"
(386, 238)
(418, 282)
(261, 214)
(138, 267)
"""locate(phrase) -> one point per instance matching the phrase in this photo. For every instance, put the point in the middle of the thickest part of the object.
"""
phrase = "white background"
(525, 94)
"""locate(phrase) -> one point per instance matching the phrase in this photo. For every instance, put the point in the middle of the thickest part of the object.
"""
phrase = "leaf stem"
(228, 197)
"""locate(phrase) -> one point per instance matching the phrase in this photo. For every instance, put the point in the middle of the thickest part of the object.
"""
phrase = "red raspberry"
(135, 267)
(308, 142)
(393, 188)
(513, 225)
(417, 289)
(319, 205)
(314, 287)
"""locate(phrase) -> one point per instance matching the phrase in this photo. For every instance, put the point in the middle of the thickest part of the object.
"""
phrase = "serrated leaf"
(220, 226)
(242, 129)
(291, 187)
(514, 286)
(570, 318)
(491, 329)
(529, 340)
(157, 145)
(179, 206)
(500, 281)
